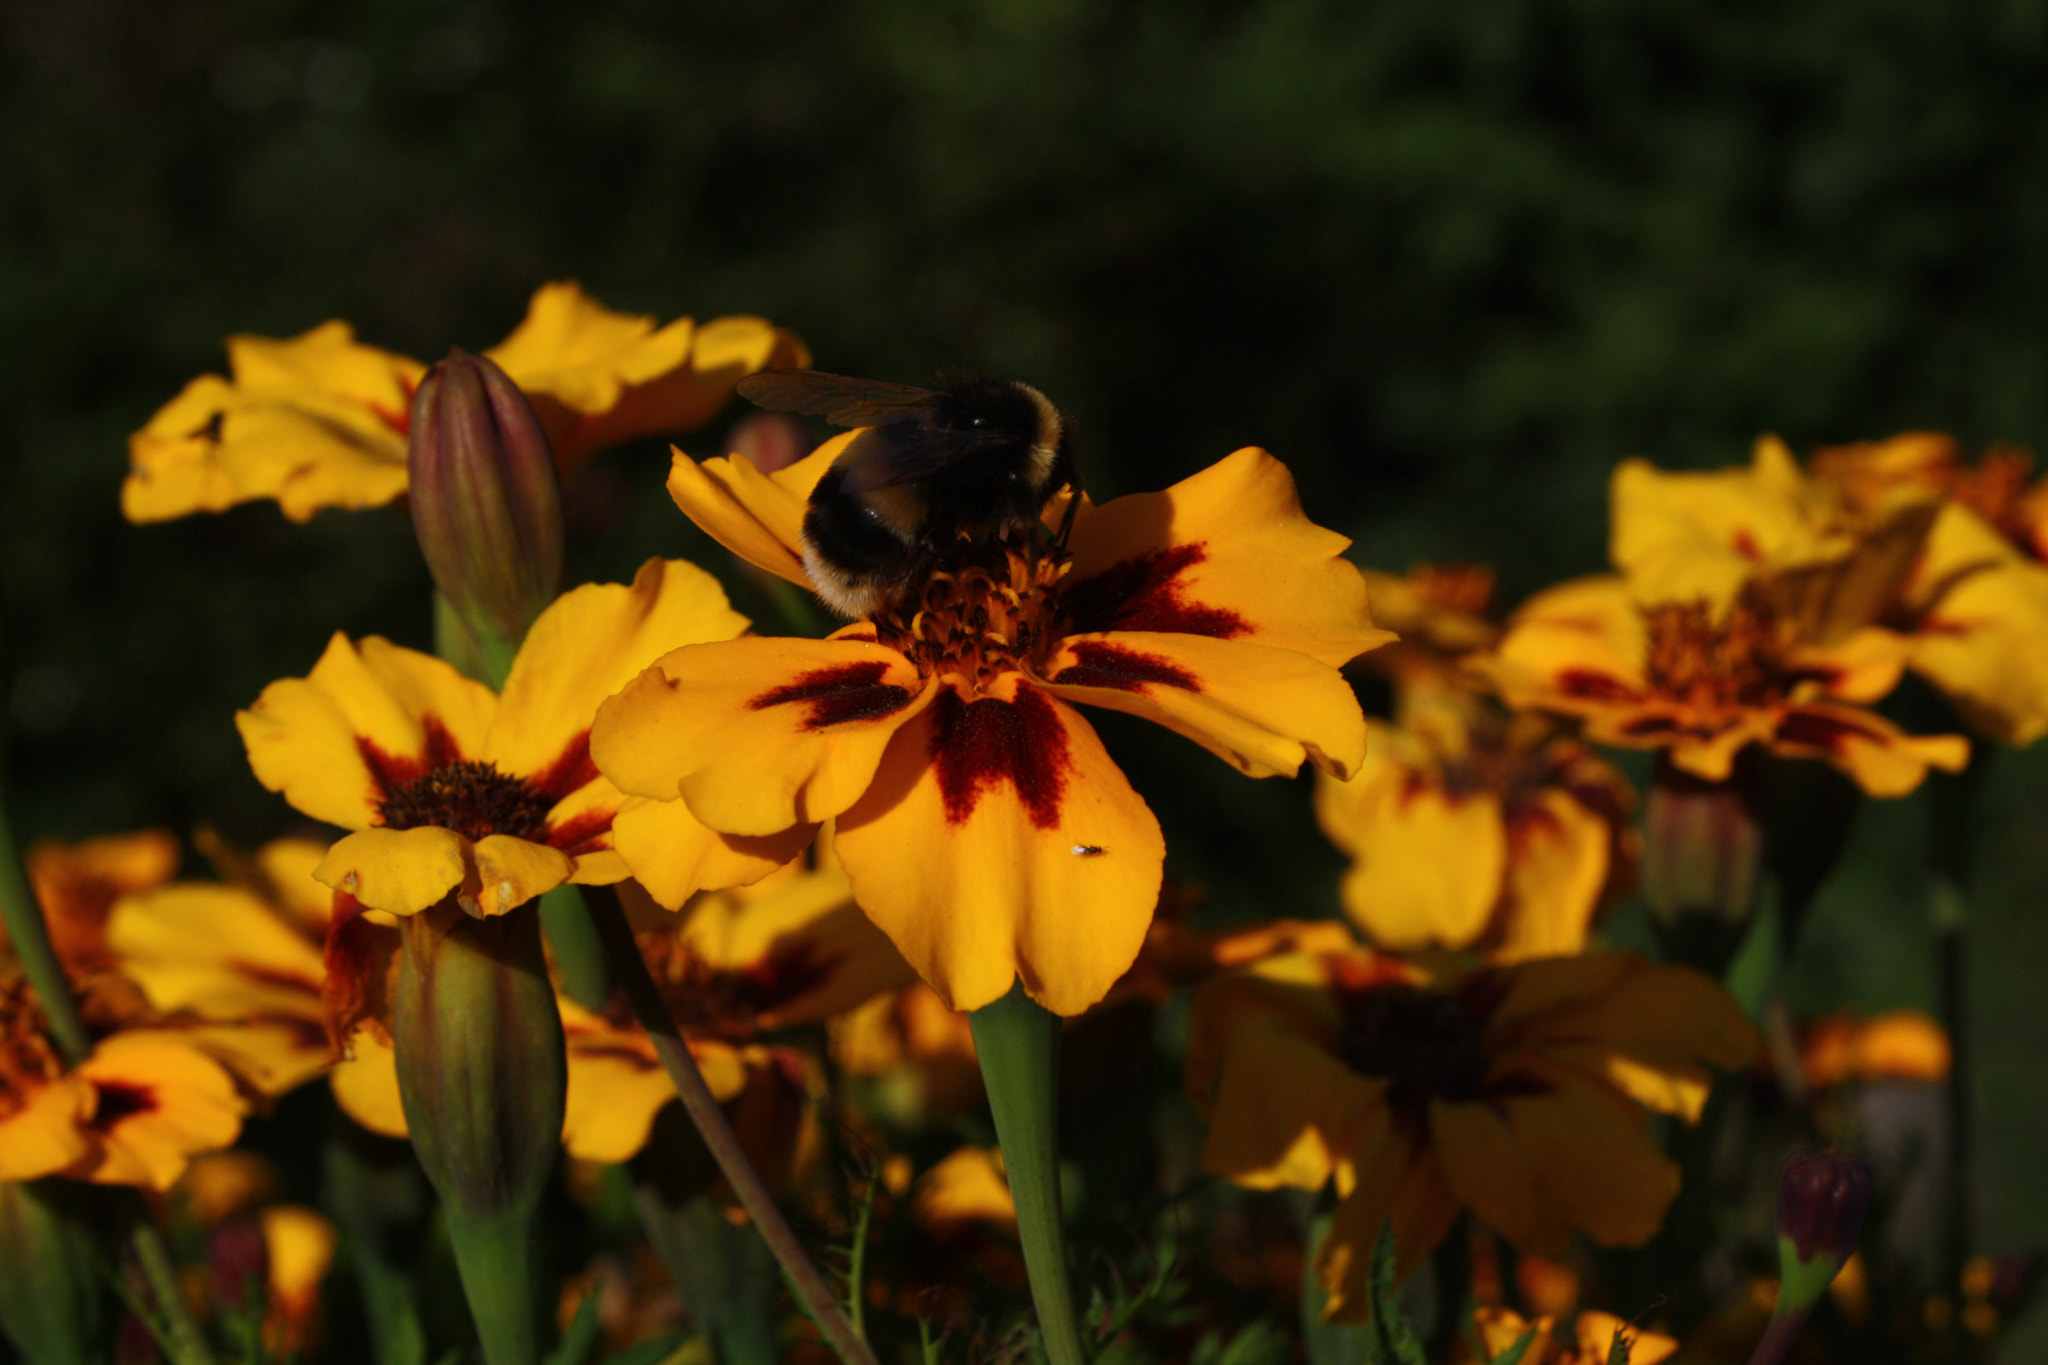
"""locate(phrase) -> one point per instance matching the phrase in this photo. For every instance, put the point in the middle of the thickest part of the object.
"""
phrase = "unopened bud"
(486, 498)
(772, 440)
(238, 1264)
(1823, 1196)
(1702, 852)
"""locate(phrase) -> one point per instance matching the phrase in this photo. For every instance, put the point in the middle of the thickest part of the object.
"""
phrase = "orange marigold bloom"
(1469, 829)
(985, 828)
(455, 789)
(320, 420)
(1901, 1045)
(1703, 682)
(1516, 1091)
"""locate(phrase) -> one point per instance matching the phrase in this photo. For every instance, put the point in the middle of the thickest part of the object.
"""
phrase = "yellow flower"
(1893, 533)
(1471, 830)
(320, 420)
(1593, 1338)
(1704, 683)
(1901, 1045)
(133, 1113)
(1515, 1091)
(985, 828)
(453, 789)
(77, 885)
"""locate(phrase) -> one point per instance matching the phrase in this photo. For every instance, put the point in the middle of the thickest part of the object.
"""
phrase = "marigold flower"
(454, 789)
(1894, 533)
(1468, 829)
(320, 420)
(985, 828)
(1703, 683)
(1592, 1339)
(1900, 1045)
(1516, 1091)
(133, 1113)
(77, 885)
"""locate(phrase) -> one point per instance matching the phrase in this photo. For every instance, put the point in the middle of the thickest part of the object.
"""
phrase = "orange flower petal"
(1594, 1161)
(1398, 1183)
(591, 642)
(997, 841)
(673, 855)
(1884, 760)
(759, 517)
(398, 871)
(1555, 876)
(47, 1134)
(758, 734)
(217, 950)
(1262, 710)
(366, 1085)
(1282, 1110)
(160, 1102)
(307, 738)
(1228, 554)
(1428, 865)
(1488, 1170)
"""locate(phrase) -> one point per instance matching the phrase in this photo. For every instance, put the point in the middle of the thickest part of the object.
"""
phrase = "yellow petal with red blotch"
(1226, 553)
(617, 1085)
(160, 1101)
(591, 642)
(366, 1085)
(999, 841)
(306, 736)
(1428, 864)
(758, 734)
(48, 1133)
(1262, 710)
(1399, 1183)
(671, 853)
(1707, 752)
(511, 872)
(1582, 640)
(1487, 1168)
(1983, 640)
(1595, 1164)
(219, 951)
(759, 517)
(1884, 760)
(1555, 875)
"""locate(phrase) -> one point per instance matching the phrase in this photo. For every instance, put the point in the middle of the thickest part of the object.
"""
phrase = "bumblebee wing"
(838, 399)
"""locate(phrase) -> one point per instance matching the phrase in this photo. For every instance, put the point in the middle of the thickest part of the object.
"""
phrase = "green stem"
(500, 1267)
(644, 996)
(186, 1346)
(30, 935)
(1018, 1043)
(1778, 1337)
(579, 953)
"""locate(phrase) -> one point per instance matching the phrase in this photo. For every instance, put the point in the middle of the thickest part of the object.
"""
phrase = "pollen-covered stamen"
(27, 1061)
(986, 609)
(474, 799)
(1701, 659)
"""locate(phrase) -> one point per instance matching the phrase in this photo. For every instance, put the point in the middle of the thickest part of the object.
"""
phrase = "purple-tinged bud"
(238, 1264)
(1823, 1197)
(1702, 855)
(486, 497)
(772, 440)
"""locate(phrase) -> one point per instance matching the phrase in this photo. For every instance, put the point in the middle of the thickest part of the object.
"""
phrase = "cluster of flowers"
(909, 820)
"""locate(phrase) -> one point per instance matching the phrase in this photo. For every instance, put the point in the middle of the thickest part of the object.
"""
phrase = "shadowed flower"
(985, 828)
(453, 789)
(1469, 829)
(1901, 1045)
(133, 1113)
(1592, 1339)
(1894, 533)
(1703, 682)
(320, 420)
(1516, 1091)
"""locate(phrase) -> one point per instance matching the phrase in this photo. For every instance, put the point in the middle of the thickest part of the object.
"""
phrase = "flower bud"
(772, 440)
(486, 498)
(1702, 852)
(1823, 1196)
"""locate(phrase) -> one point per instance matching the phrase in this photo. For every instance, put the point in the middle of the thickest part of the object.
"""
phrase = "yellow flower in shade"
(1516, 1091)
(1902, 1045)
(452, 789)
(1703, 683)
(1441, 612)
(133, 1113)
(985, 828)
(77, 885)
(1470, 829)
(1894, 533)
(320, 420)
(1592, 1339)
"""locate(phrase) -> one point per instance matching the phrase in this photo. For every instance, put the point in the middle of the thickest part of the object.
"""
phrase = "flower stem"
(22, 917)
(185, 1345)
(644, 996)
(1778, 1337)
(1018, 1043)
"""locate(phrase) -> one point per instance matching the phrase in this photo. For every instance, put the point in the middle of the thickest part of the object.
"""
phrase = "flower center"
(986, 609)
(27, 1061)
(1426, 1044)
(1738, 660)
(474, 799)
(727, 1002)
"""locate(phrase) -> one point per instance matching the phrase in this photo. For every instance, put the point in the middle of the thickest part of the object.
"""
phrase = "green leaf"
(1398, 1343)
(1513, 1354)
(1618, 1349)
(579, 1343)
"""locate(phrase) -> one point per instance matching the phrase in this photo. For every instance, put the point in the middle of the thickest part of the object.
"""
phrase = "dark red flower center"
(472, 798)
(1428, 1045)
(27, 1061)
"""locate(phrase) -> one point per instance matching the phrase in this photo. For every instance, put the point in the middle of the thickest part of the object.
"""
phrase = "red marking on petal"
(120, 1100)
(1591, 686)
(354, 957)
(1144, 593)
(1643, 726)
(570, 772)
(1824, 732)
(273, 976)
(1746, 546)
(391, 771)
(845, 692)
(977, 745)
(1101, 664)
(587, 833)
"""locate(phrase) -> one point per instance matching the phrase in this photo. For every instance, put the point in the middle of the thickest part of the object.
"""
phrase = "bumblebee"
(976, 458)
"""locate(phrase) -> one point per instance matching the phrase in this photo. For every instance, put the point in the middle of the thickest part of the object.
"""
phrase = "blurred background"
(1450, 262)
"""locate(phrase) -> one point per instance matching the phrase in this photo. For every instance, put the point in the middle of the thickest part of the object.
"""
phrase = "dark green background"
(1449, 261)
